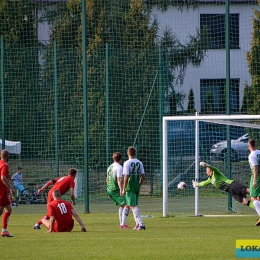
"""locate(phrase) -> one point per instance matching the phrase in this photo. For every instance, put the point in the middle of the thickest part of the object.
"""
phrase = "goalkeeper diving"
(221, 182)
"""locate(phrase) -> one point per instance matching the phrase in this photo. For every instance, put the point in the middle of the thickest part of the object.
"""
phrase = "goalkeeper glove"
(195, 184)
(203, 164)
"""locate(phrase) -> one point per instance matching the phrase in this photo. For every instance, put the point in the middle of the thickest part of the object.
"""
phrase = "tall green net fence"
(144, 60)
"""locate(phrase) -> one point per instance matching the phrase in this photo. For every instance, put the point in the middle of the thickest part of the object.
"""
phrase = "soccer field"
(165, 238)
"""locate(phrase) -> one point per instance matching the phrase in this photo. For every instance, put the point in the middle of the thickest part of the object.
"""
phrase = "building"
(211, 74)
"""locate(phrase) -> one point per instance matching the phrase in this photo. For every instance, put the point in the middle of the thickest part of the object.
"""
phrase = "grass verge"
(165, 238)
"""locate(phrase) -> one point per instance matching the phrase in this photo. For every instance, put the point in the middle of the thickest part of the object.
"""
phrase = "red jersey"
(4, 190)
(61, 210)
(63, 184)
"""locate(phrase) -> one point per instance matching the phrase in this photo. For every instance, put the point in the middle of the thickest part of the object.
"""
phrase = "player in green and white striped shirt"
(134, 175)
(115, 186)
(254, 161)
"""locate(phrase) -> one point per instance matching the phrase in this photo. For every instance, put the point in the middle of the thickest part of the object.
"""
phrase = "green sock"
(251, 205)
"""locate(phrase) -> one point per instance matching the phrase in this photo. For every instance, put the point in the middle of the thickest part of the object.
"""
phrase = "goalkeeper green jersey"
(114, 171)
(218, 179)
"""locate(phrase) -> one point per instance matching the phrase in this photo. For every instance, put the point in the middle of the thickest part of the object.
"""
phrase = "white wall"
(44, 29)
(185, 23)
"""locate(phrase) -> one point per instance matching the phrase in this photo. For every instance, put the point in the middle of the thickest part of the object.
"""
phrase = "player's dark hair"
(72, 171)
(252, 142)
(117, 156)
(56, 193)
(131, 151)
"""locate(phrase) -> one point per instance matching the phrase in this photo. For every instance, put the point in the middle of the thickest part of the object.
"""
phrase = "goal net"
(218, 140)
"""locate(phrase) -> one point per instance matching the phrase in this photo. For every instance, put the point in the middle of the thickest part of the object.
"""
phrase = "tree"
(253, 58)
(191, 103)
(246, 99)
(127, 30)
(178, 56)
(21, 67)
(133, 60)
(165, 4)
(209, 104)
(176, 100)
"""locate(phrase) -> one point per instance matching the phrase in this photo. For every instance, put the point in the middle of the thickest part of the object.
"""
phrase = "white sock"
(137, 216)
(120, 210)
(4, 230)
(124, 215)
(257, 206)
(136, 222)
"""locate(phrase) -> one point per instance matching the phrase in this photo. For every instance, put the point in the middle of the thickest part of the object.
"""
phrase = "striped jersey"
(114, 171)
(134, 168)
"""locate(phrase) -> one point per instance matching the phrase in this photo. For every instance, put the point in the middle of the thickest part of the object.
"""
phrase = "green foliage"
(253, 57)
(176, 99)
(20, 81)
(177, 57)
(165, 4)
(191, 103)
(17, 23)
(131, 108)
(180, 55)
(131, 42)
(209, 104)
(246, 99)
(251, 102)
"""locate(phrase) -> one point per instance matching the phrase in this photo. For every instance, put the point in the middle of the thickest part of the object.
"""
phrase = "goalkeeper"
(220, 181)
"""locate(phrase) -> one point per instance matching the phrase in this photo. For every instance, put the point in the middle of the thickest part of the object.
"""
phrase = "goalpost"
(187, 140)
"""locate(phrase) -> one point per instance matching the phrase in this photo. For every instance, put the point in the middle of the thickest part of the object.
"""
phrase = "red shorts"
(67, 228)
(5, 200)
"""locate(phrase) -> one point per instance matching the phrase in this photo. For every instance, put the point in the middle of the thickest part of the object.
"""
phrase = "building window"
(213, 96)
(214, 24)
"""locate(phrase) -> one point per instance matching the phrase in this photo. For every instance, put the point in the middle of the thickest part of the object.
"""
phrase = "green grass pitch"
(165, 238)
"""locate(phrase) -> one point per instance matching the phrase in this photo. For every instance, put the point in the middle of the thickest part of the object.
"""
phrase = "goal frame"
(195, 118)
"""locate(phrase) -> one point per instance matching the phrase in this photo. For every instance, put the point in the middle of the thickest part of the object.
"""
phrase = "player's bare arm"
(52, 219)
(45, 186)
(120, 184)
(72, 196)
(7, 183)
(141, 181)
(255, 176)
(126, 177)
(76, 216)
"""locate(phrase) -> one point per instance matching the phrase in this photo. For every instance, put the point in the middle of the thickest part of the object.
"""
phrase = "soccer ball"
(182, 185)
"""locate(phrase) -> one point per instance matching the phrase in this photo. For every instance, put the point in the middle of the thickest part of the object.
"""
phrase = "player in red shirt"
(63, 184)
(61, 212)
(5, 188)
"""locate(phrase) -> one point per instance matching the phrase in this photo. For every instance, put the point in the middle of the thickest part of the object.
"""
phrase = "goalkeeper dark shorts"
(237, 191)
